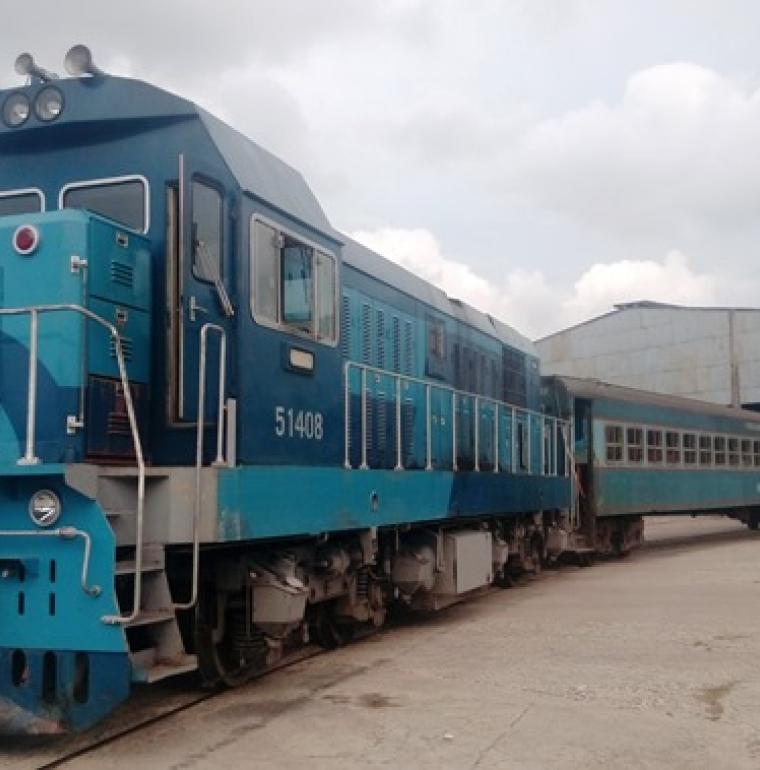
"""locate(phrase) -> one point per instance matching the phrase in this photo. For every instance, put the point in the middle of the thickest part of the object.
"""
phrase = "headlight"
(16, 110)
(48, 104)
(45, 508)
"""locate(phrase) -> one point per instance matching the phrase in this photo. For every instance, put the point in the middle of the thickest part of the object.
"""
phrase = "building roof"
(645, 304)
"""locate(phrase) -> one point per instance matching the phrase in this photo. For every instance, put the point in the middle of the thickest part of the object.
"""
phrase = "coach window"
(720, 450)
(634, 439)
(614, 436)
(207, 232)
(654, 446)
(746, 452)
(689, 448)
(672, 448)
(756, 454)
(705, 450)
(733, 451)
(122, 200)
(21, 202)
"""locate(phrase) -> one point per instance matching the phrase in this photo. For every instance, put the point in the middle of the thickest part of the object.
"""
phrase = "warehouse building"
(708, 353)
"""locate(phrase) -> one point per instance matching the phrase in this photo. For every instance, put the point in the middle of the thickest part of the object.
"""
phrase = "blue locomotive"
(226, 428)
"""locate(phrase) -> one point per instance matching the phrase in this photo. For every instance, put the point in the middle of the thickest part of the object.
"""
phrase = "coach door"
(198, 286)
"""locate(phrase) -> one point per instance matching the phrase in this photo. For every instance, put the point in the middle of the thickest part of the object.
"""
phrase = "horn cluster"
(25, 65)
(78, 62)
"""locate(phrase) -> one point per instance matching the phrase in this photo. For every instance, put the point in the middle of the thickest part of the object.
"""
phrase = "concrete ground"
(648, 662)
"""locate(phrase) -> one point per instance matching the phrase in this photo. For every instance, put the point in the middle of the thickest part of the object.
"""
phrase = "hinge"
(78, 264)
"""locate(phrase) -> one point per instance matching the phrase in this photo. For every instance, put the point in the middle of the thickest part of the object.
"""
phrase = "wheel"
(753, 521)
(507, 579)
(329, 632)
(537, 555)
(237, 657)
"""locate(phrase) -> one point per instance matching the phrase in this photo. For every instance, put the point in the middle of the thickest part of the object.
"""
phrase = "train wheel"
(235, 658)
(537, 555)
(753, 521)
(328, 631)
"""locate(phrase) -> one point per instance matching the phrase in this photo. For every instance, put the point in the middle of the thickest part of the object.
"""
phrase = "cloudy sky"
(541, 159)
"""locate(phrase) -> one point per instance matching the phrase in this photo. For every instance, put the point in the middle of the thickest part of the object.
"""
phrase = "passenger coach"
(638, 453)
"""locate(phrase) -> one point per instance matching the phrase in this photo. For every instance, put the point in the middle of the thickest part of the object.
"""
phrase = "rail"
(30, 458)
(553, 430)
(219, 459)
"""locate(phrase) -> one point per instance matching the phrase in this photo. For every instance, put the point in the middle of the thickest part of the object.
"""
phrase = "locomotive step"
(129, 567)
(151, 617)
(152, 561)
(148, 667)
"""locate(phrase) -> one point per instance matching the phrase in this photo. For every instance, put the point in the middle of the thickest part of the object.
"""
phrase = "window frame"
(618, 446)
(690, 451)
(112, 180)
(630, 446)
(278, 325)
(26, 191)
(219, 190)
(655, 447)
(673, 451)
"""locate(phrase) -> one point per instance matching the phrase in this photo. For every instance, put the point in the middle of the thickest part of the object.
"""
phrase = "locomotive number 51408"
(298, 423)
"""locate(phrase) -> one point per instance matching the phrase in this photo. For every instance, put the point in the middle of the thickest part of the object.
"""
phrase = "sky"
(539, 159)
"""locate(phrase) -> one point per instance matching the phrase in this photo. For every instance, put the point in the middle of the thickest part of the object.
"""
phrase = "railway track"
(110, 733)
(183, 695)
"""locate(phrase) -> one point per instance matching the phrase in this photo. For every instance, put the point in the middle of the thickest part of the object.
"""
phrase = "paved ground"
(649, 662)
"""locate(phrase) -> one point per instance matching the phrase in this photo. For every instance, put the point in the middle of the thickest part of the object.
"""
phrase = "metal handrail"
(478, 400)
(65, 533)
(30, 458)
(219, 460)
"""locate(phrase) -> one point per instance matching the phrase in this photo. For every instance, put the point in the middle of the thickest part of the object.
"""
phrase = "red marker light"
(25, 239)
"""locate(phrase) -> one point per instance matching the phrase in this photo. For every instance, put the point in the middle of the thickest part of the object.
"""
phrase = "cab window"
(20, 203)
(207, 232)
(294, 283)
(122, 200)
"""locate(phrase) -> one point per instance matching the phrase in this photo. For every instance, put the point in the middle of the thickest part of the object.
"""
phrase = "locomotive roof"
(383, 269)
(597, 389)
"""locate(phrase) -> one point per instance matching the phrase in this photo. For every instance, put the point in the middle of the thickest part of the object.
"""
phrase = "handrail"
(29, 456)
(219, 460)
(65, 533)
(479, 400)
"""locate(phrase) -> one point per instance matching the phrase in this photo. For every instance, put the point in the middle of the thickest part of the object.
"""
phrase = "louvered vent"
(396, 344)
(380, 331)
(366, 334)
(126, 347)
(408, 348)
(345, 338)
(122, 274)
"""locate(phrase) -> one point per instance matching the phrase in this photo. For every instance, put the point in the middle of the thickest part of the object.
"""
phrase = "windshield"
(20, 203)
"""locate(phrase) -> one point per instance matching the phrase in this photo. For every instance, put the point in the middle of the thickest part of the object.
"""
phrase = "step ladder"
(156, 649)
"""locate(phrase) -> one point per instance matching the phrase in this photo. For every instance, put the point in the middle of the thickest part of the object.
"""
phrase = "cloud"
(678, 150)
(526, 300)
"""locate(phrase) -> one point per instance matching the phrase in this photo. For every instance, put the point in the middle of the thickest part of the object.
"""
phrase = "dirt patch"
(713, 697)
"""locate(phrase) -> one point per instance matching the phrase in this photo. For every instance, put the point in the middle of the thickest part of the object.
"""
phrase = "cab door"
(202, 293)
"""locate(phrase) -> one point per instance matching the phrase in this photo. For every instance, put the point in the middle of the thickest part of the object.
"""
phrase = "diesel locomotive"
(227, 429)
